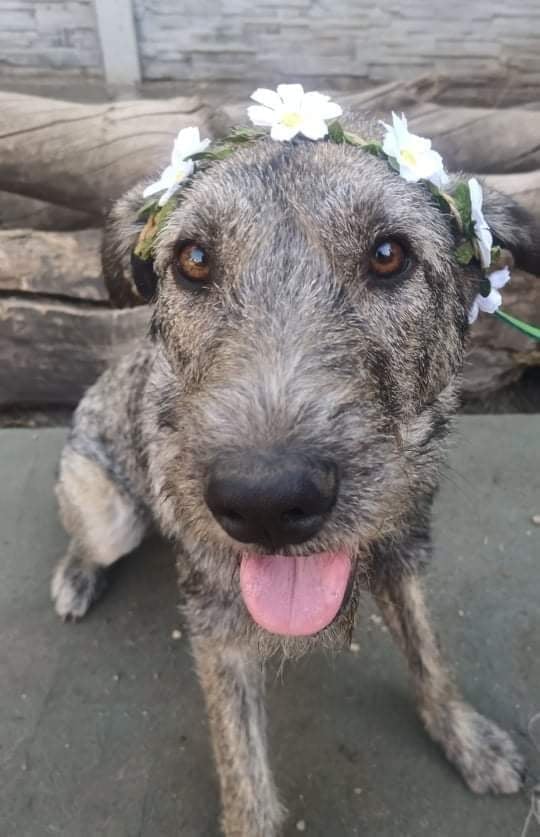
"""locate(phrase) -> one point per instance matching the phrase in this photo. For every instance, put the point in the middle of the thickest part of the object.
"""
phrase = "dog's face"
(312, 319)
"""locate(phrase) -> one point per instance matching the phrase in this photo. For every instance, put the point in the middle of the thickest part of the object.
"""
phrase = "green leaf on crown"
(336, 132)
(219, 152)
(465, 253)
(227, 146)
(462, 200)
(148, 208)
(371, 146)
(374, 148)
(339, 135)
(144, 248)
(241, 135)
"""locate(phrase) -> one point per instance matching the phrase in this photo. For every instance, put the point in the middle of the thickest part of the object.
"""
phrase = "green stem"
(525, 328)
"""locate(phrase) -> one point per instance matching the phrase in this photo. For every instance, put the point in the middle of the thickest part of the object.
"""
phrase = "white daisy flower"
(414, 155)
(481, 229)
(187, 143)
(492, 302)
(289, 111)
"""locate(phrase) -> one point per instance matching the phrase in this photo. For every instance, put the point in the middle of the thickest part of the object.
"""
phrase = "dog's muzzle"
(278, 499)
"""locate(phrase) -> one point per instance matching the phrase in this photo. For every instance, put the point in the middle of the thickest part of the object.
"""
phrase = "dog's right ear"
(129, 280)
(514, 228)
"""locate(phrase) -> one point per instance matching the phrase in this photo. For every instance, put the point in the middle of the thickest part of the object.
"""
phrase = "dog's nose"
(274, 499)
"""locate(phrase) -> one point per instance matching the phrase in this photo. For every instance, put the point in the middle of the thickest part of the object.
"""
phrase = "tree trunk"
(52, 351)
(481, 139)
(19, 212)
(458, 89)
(498, 354)
(52, 263)
(523, 187)
(85, 156)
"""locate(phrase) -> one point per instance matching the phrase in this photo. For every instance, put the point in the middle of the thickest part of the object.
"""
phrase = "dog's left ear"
(513, 228)
(130, 281)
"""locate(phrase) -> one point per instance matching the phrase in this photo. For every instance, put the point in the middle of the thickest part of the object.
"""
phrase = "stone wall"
(376, 40)
(338, 41)
(52, 35)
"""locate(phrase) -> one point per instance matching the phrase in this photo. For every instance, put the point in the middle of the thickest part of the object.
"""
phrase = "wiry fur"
(294, 344)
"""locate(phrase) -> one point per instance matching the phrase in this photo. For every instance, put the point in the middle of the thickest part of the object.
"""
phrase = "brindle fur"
(293, 344)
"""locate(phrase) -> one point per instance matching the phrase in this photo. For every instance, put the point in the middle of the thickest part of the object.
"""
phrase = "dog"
(284, 424)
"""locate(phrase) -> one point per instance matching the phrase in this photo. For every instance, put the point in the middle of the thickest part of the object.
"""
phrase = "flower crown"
(289, 112)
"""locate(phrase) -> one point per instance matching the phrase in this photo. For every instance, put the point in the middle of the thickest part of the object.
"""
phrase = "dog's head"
(311, 318)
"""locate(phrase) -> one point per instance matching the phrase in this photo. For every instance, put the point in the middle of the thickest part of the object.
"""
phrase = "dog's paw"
(74, 587)
(485, 755)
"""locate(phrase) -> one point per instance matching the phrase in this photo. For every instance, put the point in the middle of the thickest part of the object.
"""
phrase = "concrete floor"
(102, 728)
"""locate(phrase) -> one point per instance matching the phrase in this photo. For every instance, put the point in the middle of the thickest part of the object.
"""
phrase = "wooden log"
(85, 156)
(18, 212)
(485, 89)
(499, 354)
(57, 263)
(479, 139)
(524, 188)
(52, 351)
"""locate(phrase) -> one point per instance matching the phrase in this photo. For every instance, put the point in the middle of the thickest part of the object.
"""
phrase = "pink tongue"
(294, 596)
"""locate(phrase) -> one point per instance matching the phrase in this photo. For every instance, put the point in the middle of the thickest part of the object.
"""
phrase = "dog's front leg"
(233, 683)
(484, 754)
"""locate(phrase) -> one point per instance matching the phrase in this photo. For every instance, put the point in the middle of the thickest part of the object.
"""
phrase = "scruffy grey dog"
(283, 425)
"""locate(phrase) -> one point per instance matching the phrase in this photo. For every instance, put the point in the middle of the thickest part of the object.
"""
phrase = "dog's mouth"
(294, 595)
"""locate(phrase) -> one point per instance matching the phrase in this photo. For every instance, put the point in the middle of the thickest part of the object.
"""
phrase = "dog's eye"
(387, 258)
(192, 262)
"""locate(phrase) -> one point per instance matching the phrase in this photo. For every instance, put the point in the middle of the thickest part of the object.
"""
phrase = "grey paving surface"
(102, 729)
